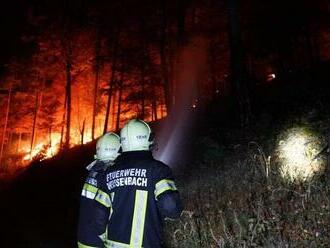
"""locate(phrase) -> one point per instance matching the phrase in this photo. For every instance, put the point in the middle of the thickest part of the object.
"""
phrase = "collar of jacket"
(98, 165)
(135, 155)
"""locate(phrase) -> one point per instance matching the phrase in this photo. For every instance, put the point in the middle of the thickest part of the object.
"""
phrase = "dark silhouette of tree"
(114, 55)
(97, 62)
(163, 58)
(67, 47)
(237, 61)
(38, 101)
(121, 87)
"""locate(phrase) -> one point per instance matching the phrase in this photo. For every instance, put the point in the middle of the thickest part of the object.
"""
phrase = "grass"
(240, 200)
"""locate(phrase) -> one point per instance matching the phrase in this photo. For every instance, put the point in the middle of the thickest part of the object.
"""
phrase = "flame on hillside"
(43, 149)
(47, 148)
(47, 142)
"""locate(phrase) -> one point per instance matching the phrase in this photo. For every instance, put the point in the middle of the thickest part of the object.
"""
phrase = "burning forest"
(85, 75)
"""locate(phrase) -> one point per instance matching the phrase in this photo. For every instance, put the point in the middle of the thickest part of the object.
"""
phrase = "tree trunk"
(96, 81)
(238, 67)
(163, 62)
(154, 105)
(111, 83)
(63, 123)
(180, 41)
(113, 121)
(82, 132)
(110, 93)
(154, 110)
(6, 123)
(142, 91)
(68, 71)
(35, 119)
(143, 63)
(50, 139)
(181, 17)
(121, 82)
(68, 109)
(11, 134)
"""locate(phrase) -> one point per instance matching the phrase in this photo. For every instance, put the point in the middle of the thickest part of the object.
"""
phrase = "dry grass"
(242, 202)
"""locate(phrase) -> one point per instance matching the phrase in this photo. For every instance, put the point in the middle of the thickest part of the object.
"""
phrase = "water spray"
(176, 129)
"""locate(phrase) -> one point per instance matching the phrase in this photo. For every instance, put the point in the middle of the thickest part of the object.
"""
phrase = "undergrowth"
(238, 199)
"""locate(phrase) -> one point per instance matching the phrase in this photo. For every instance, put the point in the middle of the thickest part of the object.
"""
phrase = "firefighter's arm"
(169, 204)
(166, 194)
(93, 217)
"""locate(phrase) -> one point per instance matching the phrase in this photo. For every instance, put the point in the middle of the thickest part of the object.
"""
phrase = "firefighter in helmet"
(107, 150)
(135, 195)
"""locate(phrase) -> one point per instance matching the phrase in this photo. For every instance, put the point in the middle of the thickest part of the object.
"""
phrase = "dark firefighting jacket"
(88, 210)
(129, 203)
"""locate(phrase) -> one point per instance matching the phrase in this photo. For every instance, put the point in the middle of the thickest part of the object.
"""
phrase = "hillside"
(230, 182)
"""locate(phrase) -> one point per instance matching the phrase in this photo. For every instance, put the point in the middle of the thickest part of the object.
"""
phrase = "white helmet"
(136, 135)
(107, 147)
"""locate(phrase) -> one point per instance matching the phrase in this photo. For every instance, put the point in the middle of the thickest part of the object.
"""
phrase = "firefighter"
(135, 195)
(107, 150)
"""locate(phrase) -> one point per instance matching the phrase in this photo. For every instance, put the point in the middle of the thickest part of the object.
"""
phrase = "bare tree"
(38, 102)
(163, 59)
(120, 86)
(6, 123)
(97, 61)
(114, 56)
(67, 52)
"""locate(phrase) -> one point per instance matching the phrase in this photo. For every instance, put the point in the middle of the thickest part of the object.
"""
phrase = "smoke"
(190, 73)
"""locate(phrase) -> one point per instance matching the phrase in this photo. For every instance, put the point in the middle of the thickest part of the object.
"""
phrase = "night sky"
(12, 22)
